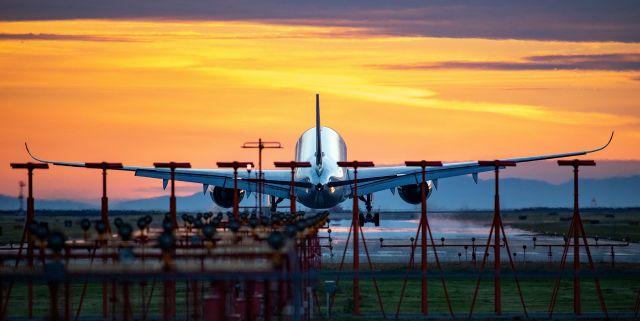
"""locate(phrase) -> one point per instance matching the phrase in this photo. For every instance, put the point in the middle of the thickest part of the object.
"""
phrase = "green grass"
(619, 293)
(92, 302)
(547, 221)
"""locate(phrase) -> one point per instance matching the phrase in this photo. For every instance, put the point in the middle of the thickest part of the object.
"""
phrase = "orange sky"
(145, 91)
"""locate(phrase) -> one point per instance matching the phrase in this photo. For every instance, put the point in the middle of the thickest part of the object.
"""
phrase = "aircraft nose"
(319, 187)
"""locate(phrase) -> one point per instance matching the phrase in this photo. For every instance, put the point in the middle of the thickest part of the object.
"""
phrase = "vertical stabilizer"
(318, 137)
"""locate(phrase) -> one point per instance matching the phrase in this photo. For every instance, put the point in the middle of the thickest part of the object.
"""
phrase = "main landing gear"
(375, 218)
(274, 203)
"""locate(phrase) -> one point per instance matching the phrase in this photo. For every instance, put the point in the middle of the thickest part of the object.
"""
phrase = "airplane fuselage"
(334, 150)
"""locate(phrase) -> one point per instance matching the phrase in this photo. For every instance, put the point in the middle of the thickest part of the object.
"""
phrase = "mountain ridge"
(456, 193)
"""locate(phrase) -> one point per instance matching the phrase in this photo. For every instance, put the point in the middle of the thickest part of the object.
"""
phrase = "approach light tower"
(260, 145)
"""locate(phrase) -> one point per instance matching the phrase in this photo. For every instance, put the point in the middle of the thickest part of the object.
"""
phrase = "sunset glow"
(139, 91)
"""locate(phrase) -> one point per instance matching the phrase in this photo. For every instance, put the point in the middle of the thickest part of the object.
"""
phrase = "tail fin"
(318, 140)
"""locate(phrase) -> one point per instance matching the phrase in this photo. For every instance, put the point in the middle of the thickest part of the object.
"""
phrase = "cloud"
(49, 36)
(610, 62)
(571, 20)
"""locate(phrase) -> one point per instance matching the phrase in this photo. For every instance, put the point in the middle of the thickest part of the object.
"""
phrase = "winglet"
(610, 139)
(31, 155)
(603, 147)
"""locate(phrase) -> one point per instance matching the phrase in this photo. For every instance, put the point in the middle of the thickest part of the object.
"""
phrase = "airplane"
(324, 184)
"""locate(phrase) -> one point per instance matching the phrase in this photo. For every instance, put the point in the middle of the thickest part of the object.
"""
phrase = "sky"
(167, 80)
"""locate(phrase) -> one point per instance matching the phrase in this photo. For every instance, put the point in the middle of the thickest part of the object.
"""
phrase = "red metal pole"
(424, 306)
(260, 148)
(423, 245)
(292, 165)
(575, 226)
(260, 145)
(423, 225)
(195, 286)
(53, 288)
(172, 199)
(126, 304)
(497, 224)
(31, 214)
(236, 214)
(105, 302)
(356, 227)
(268, 309)
(235, 165)
(496, 246)
(104, 213)
(356, 241)
(105, 200)
(67, 289)
(170, 285)
(30, 218)
(293, 194)
(577, 309)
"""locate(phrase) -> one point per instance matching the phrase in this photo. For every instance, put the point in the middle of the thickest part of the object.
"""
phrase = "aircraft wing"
(276, 182)
(375, 179)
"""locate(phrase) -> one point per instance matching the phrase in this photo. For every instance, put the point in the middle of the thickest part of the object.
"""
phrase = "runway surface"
(457, 233)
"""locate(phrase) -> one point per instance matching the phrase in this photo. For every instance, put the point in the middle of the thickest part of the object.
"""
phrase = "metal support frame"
(235, 165)
(172, 200)
(356, 227)
(104, 209)
(260, 145)
(292, 165)
(169, 286)
(26, 235)
(497, 229)
(423, 164)
(576, 232)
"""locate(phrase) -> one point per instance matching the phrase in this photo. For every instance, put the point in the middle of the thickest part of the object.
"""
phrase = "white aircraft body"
(324, 184)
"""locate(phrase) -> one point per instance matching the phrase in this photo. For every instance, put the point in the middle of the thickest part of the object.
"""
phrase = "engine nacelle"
(411, 193)
(223, 197)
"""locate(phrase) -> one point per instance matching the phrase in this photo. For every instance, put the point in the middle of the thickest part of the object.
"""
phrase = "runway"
(396, 235)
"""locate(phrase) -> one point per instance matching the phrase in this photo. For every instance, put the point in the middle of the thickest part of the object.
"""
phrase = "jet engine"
(223, 197)
(411, 193)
